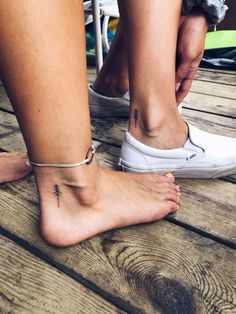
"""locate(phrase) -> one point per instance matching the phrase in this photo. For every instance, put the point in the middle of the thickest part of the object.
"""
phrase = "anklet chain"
(88, 159)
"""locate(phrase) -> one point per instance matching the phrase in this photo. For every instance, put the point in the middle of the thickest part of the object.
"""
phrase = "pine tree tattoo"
(135, 117)
(57, 192)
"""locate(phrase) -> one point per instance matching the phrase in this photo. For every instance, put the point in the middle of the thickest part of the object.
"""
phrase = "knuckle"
(181, 74)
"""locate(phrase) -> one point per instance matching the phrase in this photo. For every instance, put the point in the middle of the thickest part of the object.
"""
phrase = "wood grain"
(209, 206)
(29, 285)
(211, 104)
(4, 101)
(211, 88)
(153, 268)
(216, 76)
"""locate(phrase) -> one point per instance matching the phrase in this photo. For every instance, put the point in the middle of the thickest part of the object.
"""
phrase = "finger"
(181, 20)
(181, 73)
(183, 90)
(187, 82)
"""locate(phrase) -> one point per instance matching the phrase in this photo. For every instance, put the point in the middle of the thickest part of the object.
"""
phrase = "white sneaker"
(103, 106)
(204, 155)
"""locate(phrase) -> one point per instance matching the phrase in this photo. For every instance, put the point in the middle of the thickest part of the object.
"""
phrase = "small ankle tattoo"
(57, 193)
(136, 114)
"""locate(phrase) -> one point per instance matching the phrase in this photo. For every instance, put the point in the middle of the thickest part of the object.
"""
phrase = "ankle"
(110, 86)
(150, 122)
(82, 181)
(162, 133)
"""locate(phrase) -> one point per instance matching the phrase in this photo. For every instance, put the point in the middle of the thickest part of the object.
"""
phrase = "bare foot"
(13, 167)
(77, 204)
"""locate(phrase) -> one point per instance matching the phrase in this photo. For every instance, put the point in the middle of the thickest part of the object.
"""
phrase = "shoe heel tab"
(129, 138)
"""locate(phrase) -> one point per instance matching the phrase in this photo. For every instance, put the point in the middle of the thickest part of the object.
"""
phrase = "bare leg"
(151, 48)
(42, 62)
(13, 167)
(113, 78)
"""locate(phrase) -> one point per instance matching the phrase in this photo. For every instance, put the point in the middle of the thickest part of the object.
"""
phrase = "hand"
(190, 48)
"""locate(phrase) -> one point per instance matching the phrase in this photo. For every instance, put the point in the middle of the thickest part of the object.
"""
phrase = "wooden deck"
(183, 264)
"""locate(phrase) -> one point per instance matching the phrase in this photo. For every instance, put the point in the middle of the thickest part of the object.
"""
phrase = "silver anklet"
(88, 159)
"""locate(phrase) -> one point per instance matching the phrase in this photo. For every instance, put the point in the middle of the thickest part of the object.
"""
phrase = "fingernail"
(177, 86)
(177, 207)
(177, 187)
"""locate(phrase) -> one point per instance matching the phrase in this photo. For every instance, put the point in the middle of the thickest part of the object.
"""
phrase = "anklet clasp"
(88, 159)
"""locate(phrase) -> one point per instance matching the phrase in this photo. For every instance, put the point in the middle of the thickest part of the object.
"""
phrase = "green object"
(220, 39)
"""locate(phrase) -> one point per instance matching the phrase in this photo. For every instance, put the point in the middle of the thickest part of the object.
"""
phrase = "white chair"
(94, 10)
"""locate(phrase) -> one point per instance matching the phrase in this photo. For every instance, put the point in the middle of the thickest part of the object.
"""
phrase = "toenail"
(169, 175)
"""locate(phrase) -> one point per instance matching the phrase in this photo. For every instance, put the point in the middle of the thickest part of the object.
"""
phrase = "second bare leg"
(113, 78)
(151, 30)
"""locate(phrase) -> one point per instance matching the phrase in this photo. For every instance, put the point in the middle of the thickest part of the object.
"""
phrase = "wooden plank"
(204, 202)
(4, 100)
(211, 123)
(13, 142)
(217, 76)
(223, 71)
(152, 268)
(29, 285)
(234, 176)
(209, 206)
(8, 124)
(211, 88)
(91, 74)
(211, 104)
